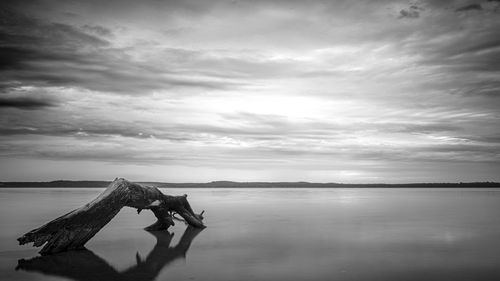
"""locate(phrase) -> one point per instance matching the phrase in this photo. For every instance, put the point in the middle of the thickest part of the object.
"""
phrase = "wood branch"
(72, 230)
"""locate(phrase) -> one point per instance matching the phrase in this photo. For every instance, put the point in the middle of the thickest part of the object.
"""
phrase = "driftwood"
(84, 265)
(72, 230)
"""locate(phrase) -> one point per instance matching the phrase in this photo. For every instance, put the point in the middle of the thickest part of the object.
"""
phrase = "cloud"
(289, 86)
(25, 103)
(19, 29)
(98, 30)
(470, 7)
(38, 53)
(413, 12)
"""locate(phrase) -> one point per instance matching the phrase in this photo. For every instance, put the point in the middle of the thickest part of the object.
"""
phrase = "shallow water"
(271, 234)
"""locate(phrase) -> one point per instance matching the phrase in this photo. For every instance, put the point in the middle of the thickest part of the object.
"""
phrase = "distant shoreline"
(230, 184)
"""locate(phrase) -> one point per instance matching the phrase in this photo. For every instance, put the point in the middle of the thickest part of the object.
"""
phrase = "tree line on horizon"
(232, 184)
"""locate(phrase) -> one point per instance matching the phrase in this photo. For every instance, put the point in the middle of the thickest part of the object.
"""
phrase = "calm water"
(271, 234)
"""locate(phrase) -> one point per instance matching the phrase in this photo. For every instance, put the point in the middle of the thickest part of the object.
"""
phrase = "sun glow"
(289, 106)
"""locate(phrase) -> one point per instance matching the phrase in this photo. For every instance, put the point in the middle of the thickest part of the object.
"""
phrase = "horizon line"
(265, 182)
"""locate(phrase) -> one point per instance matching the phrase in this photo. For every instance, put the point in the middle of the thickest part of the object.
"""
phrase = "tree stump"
(72, 230)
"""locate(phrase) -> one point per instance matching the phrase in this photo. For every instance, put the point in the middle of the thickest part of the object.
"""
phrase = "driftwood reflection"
(84, 265)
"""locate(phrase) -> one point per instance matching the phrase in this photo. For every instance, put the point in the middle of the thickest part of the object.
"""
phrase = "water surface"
(270, 234)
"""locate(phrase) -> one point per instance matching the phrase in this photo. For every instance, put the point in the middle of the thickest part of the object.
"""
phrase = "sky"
(283, 90)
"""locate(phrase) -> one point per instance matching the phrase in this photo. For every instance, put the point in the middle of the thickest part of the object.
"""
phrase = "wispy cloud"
(353, 91)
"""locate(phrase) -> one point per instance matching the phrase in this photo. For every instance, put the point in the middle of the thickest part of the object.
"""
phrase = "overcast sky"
(282, 90)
